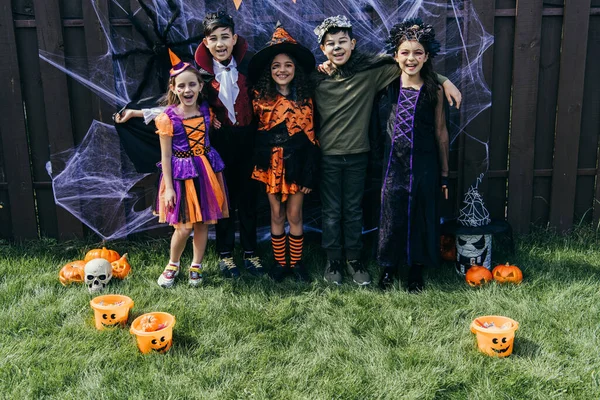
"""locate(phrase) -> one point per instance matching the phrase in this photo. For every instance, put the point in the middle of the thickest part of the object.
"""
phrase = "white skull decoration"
(98, 273)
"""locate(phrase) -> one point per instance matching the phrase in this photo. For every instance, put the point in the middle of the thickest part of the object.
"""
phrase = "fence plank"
(476, 157)
(57, 104)
(528, 27)
(568, 121)
(590, 123)
(546, 116)
(501, 92)
(14, 135)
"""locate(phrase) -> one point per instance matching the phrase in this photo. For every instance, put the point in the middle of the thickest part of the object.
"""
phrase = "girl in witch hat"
(286, 152)
(192, 191)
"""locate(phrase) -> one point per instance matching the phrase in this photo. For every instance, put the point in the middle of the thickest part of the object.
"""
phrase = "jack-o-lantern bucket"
(154, 332)
(495, 334)
(111, 310)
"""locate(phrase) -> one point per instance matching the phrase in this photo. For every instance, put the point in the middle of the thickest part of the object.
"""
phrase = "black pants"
(342, 189)
(236, 145)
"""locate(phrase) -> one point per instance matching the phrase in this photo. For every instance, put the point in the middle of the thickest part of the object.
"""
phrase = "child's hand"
(305, 190)
(216, 123)
(445, 192)
(326, 67)
(124, 116)
(452, 93)
(170, 198)
(444, 183)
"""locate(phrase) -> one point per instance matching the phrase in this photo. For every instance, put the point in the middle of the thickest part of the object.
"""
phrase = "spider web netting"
(87, 184)
(474, 213)
(136, 66)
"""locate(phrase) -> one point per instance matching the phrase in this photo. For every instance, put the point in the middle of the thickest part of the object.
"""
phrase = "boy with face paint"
(344, 101)
(222, 61)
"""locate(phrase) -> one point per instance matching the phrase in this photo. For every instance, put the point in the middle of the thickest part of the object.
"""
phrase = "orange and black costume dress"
(286, 154)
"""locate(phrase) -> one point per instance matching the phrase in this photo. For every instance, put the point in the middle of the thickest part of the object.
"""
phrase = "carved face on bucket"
(161, 344)
(500, 345)
(110, 320)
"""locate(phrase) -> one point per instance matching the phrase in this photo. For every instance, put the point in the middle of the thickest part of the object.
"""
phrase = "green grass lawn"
(254, 339)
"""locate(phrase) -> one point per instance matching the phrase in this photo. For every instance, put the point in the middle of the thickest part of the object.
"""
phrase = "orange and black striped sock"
(296, 244)
(278, 243)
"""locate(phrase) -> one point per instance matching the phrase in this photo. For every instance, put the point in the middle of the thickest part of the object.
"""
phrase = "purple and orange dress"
(201, 194)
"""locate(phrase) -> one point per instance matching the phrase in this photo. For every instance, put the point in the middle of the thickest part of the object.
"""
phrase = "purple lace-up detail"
(404, 127)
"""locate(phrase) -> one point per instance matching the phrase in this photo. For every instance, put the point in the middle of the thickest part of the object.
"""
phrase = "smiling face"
(282, 71)
(186, 87)
(220, 43)
(500, 345)
(411, 56)
(110, 320)
(338, 47)
(161, 344)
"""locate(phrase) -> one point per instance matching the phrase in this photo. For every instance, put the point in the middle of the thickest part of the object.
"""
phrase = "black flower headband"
(414, 29)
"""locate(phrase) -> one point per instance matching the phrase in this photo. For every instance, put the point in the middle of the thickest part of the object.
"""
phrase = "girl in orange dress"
(286, 152)
(192, 193)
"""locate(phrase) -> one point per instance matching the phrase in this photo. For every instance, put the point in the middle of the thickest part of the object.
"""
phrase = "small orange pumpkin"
(478, 275)
(448, 247)
(121, 267)
(149, 323)
(71, 272)
(507, 274)
(109, 255)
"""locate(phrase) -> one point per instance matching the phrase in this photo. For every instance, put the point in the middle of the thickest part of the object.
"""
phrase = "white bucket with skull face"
(473, 250)
(97, 274)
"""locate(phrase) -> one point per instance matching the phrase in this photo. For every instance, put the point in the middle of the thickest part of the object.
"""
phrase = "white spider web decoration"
(474, 213)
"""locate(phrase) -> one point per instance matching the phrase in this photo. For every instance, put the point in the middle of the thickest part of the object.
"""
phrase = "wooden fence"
(542, 128)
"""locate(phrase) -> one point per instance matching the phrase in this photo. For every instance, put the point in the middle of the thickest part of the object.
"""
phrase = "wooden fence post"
(568, 119)
(15, 149)
(56, 100)
(528, 26)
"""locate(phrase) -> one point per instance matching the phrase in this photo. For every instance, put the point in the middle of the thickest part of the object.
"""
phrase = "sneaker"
(279, 272)
(359, 274)
(254, 266)
(167, 278)
(195, 277)
(301, 272)
(228, 268)
(333, 272)
(386, 282)
(415, 279)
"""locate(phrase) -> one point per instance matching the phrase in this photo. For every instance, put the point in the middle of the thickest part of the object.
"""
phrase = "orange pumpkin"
(71, 272)
(109, 255)
(478, 275)
(448, 247)
(121, 267)
(507, 274)
(149, 323)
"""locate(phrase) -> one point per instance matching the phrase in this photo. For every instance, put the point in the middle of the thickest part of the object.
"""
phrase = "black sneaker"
(386, 282)
(301, 272)
(228, 268)
(254, 266)
(357, 271)
(279, 272)
(415, 282)
(333, 272)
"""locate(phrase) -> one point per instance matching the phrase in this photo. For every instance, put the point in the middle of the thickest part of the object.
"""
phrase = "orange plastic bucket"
(111, 310)
(159, 340)
(495, 334)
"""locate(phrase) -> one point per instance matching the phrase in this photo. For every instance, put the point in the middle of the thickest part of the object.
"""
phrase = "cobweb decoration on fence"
(474, 213)
(96, 184)
(133, 65)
